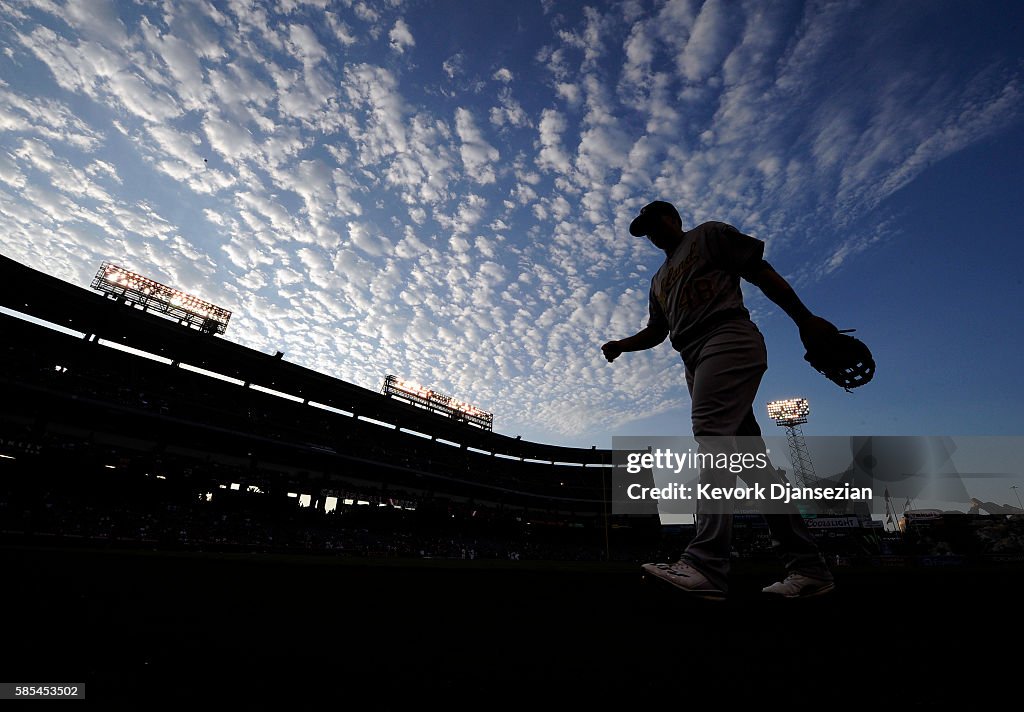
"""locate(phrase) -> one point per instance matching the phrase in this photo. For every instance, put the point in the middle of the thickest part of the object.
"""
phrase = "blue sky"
(441, 190)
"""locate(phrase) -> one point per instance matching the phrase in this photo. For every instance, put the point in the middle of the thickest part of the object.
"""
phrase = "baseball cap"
(641, 223)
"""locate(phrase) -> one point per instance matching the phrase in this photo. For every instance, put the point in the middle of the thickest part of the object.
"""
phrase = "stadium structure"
(102, 383)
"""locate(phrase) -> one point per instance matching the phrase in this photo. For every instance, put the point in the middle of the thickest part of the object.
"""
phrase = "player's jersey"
(699, 283)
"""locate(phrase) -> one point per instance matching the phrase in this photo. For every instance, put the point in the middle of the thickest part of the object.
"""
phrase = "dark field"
(145, 630)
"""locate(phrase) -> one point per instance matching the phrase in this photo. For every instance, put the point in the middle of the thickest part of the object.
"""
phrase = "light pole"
(791, 414)
(1014, 488)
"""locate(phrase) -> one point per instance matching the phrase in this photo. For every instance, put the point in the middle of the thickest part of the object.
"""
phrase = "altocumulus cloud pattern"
(411, 187)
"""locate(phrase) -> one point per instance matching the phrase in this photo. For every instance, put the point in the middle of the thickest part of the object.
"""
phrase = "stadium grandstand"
(108, 402)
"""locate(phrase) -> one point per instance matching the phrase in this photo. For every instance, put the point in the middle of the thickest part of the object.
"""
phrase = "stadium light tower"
(791, 414)
(417, 395)
(126, 286)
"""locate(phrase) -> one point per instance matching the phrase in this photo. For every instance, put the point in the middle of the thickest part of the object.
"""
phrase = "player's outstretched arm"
(843, 359)
(776, 288)
(646, 338)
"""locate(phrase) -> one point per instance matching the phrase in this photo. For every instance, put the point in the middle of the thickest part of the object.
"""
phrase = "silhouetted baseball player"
(695, 300)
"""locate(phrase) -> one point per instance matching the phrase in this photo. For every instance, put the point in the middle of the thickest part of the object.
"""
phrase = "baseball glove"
(843, 359)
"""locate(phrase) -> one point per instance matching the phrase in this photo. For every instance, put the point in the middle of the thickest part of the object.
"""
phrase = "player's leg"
(807, 573)
(723, 383)
(791, 539)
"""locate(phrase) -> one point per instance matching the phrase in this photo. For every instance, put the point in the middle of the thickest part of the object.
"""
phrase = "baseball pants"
(723, 372)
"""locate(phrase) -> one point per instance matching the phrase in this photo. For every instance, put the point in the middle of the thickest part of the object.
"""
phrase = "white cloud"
(373, 91)
(510, 112)
(342, 32)
(454, 65)
(639, 49)
(303, 43)
(368, 239)
(227, 138)
(552, 155)
(400, 36)
(47, 118)
(96, 20)
(709, 41)
(182, 63)
(100, 72)
(182, 147)
(10, 173)
(365, 12)
(279, 216)
(477, 153)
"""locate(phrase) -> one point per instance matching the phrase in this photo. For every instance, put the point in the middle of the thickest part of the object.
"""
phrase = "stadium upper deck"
(318, 415)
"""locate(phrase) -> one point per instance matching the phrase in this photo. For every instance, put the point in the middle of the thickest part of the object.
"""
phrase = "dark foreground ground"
(147, 630)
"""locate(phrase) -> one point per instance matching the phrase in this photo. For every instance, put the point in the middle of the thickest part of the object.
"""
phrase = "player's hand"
(814, 330)
(611, 350)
